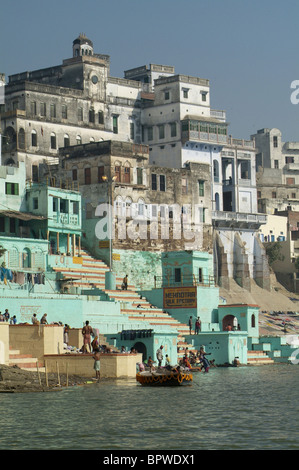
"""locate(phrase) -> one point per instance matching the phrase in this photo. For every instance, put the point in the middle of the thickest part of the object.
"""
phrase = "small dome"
(82, 46)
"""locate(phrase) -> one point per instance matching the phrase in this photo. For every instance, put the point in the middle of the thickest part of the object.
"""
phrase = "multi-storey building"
(78, 103)
(277, 164)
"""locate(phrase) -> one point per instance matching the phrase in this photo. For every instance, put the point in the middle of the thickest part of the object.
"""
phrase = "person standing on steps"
(124, 285)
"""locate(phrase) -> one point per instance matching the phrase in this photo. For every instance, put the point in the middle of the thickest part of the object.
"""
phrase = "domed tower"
(82, 46)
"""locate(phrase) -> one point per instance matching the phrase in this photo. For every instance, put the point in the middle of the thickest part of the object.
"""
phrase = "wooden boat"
(164, 378)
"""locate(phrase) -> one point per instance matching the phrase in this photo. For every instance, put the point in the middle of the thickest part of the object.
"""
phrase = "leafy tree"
(273, 251)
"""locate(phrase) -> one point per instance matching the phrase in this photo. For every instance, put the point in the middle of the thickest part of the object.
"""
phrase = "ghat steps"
(91, 274)
(24, 361)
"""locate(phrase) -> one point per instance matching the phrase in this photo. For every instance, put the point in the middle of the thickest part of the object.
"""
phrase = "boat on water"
(164, 378)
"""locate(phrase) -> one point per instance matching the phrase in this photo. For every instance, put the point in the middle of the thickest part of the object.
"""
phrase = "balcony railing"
(186, 281)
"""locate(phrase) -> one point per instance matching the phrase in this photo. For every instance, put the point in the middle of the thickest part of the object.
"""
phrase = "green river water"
(244, 408)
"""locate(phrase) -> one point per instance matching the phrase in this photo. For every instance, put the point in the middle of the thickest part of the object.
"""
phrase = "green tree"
(273, 251)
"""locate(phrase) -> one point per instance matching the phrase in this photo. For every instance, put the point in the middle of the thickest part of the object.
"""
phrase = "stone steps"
(258, 358)
(24, 361)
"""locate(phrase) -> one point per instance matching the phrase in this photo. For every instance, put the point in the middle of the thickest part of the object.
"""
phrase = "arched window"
(26, 258)
(9, 139)
(21, 139)
(66, 140)
(78, 140)
(128, 207)
(252, 321)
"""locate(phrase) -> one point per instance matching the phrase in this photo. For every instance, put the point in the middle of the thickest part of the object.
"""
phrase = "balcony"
(238, 219)
(206, 130)
(186, 281)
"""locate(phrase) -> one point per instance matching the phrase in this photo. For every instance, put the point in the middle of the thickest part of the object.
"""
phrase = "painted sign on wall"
(179, 297)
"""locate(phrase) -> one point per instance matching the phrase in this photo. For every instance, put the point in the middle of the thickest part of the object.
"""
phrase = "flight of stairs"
(258, 358)
(91, 274)
(24, 361)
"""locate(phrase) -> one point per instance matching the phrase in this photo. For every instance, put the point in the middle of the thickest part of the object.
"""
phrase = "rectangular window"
(184, 186)
(53, 141)
(154, 182)
(53, 110)
(204, 96)
(139, 176)
(33, 108)
(64, 206)
(275, 141)
(202, 214)
(64, 111)
(74, 174)
(87, 176)
(177, 275)
(276, 164)
(35, 203)
(100, 173)
(75, 207)
(289, 160)
(132, 130)
(127, 174)
(161, 132)
(201, 188)
(117, 173)
(34, 139)
(43, 109)
(80, 114)
(150, 133)
(290, 181)
(166, 95)
(162, 183)
(91, 115)
(55, 204)
(185, 92)
(273, 194)
(12, 189)
(115, 124)
(173, 129)
(2, 224)
(12, 225)
(101, 117)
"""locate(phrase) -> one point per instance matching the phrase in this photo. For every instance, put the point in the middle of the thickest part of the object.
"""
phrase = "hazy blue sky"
(248, 49)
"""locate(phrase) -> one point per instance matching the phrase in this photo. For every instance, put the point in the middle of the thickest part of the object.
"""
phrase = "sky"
(248, 49)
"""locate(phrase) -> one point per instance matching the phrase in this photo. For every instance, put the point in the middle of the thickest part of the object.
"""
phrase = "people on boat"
(150, 363)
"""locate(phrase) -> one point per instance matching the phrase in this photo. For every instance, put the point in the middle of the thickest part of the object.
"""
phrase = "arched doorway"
(228, 323)
(26, 258)
(141, 348)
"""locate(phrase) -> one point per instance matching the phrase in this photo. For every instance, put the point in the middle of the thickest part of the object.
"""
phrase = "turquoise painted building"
(41, 235)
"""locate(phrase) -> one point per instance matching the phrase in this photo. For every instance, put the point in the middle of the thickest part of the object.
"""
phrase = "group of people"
(5, 317)
(197, 326)
(199, 358)
(189, 360)
(42, 321)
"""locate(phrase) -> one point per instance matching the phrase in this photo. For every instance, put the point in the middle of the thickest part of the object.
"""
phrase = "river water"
(244, 408)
